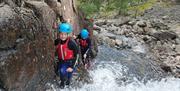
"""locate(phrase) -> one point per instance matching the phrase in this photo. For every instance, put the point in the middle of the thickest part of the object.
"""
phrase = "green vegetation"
(141, 7)
(89, 7)
(114, 7)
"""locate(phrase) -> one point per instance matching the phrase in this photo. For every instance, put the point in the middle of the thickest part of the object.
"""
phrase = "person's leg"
(62, 71)
(69, 74)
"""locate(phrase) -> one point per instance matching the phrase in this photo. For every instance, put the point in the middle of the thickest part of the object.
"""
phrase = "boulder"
(159, 25)
(141, 23)
(132, 23)
(44, 12)
(118, 42)
(177, 48)
(162, 35)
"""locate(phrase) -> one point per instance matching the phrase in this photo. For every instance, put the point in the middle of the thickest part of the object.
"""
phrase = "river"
(110, 72)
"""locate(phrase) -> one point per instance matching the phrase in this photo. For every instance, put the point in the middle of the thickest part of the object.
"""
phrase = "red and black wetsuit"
(67, 54)
(67, 50)
(85, 44)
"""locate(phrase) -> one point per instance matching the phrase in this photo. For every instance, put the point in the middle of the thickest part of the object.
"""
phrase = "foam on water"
(105, 79)
(109, 74)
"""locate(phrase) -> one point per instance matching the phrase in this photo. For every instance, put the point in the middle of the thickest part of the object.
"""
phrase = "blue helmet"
(84, 33)
(65, 28)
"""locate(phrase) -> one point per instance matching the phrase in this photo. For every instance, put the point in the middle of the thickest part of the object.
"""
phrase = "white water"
(110, 75)
(105, 79)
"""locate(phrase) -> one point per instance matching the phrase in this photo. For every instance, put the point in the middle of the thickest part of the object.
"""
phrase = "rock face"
(26, 47)
(69, 13)
(26, 41)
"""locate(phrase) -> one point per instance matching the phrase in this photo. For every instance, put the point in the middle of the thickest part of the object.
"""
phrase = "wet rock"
(113, 29)
(119, 32)
(70, 14)
(111, 37)
(116, 22)
(151, 32)
(177, 49)
(160, 35)
(55, 5)
(147, 30)
(118, 42)
(177, 40)
(100, 40)
(112, 42)
(94, 46)
(165, 17)
(105, 27)
(176, 29)
(132, 23)
(42, 10)
(51, 3)
(6, 14)
(141, 23)
(166, 68)
(138, 29)
(101, 22)
(178, 58)
(158, 12)
(97, 28)
(95, 33)
(121, 21)
(159, 25)
(125, 30)
(107, 40)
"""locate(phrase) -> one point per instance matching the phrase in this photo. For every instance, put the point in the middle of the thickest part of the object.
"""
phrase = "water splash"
(106, 75)
(109, 74)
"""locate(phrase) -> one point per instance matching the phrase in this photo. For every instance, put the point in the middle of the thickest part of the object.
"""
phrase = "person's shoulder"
(72, 43)
(56, 41)
(78, 36)
(88, 39)
(72, 40)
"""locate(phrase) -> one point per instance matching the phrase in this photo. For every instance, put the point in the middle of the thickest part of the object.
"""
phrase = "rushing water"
(109, 74)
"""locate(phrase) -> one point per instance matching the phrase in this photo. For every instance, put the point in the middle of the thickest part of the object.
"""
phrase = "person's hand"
(55, 26)
(74, 36)
(69, 69)
(86, 66)
(84, 56)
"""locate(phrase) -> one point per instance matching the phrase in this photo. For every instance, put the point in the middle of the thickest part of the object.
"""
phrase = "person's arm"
(73, 46)
(56, 42)
(76, 37)
(89, 46)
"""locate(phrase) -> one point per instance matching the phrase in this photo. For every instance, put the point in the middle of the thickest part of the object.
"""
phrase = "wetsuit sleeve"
(56, 42)
(73, 46)
(78, 37)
